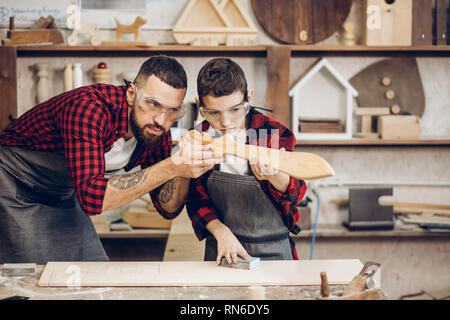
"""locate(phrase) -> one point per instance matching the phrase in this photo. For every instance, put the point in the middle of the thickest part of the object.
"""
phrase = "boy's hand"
(263, 171)
(228, 245)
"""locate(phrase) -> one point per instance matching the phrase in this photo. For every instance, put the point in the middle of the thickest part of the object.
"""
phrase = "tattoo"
(127, 181)
(167, 191)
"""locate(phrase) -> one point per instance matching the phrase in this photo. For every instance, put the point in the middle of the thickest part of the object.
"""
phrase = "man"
(59, 162)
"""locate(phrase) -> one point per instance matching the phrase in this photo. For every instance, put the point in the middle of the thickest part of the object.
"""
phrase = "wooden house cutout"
(322, 93)
(214, 22)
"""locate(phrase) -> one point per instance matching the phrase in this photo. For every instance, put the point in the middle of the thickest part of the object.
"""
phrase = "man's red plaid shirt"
(82, 125)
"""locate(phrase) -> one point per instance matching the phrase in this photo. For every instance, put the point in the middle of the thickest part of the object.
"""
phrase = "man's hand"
(228, 245)
(193, 159)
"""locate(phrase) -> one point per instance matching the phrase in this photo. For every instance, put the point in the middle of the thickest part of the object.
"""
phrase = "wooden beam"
(277, 93)
(8, 85)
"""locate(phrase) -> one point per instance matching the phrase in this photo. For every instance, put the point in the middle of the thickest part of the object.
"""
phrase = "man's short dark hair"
(221, 77)
(166, 69)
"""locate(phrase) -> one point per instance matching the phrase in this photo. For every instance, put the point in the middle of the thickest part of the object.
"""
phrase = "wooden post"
(8, 85)
(277, 93)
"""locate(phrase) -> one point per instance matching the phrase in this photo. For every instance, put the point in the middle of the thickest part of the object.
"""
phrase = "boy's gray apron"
(40, 216)
(247, 211)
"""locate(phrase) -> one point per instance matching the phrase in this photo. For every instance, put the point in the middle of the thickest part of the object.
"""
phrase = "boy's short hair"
(221, 77)
(167, 69)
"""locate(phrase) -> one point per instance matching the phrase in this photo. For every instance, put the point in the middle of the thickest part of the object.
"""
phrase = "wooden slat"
(422, 29)
(277, 93)
(8, 85)
(190, 273)
(375, 142)
(256, 50)
(441, 22)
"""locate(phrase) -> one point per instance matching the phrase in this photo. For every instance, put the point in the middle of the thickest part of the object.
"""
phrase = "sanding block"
(247, 264)
(18, 269)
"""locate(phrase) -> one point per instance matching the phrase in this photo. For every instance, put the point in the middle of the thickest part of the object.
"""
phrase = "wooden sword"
(300, 165)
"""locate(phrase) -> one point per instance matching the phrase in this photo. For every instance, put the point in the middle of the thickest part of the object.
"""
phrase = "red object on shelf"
(102, 65)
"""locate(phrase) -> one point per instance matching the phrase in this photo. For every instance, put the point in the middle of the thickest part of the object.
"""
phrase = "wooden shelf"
(339, 231)
(260, 50)
(376, 142)
(323, 231)
(177, 50)
(359, 50)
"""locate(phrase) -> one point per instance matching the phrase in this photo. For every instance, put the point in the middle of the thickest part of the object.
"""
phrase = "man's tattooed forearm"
(167, 191)
(127, 181)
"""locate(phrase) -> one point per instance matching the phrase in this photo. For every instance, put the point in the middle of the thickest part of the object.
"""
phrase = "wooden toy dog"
(132, 28)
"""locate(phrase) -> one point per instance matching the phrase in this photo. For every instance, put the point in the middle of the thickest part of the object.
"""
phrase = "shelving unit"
(277, 72)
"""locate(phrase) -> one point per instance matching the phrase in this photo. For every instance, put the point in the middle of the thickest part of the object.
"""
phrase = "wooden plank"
(372, 111)
(442, 14)
(422, 27)
(277, 92)
(416, 210)
(406, 207)
(182, 243)
(191, 273)
(377, 142)
(8, 85)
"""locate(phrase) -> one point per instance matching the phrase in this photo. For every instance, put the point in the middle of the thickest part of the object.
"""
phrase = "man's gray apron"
(246, 210)
(40, 216)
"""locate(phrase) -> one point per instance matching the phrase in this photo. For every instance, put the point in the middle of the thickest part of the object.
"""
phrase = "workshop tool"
(355, 289)
(248, 264)
(32, 35)
(18, 269)
(324, 287)
(365, 212)
(300, 165)
(363, 280)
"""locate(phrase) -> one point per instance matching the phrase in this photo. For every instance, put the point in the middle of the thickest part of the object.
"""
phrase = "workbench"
(27, 287)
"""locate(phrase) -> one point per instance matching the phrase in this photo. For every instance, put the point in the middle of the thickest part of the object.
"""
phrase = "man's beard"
(143, 137)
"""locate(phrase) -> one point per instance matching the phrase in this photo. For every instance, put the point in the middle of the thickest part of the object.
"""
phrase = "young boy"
(242, 208)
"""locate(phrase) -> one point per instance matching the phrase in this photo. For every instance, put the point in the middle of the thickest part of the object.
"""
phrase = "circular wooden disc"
(301, 21)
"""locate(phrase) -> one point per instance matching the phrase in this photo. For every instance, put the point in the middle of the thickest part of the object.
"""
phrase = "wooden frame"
(225, 22)
(297, 102)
